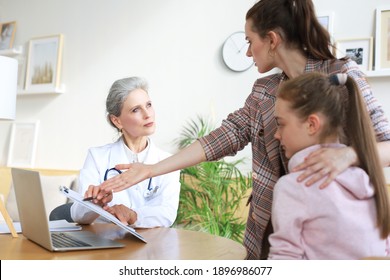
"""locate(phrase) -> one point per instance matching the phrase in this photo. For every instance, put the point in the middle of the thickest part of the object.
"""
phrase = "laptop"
(34, 221)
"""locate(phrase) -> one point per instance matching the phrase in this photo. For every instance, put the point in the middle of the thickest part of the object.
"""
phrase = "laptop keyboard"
(61, 240)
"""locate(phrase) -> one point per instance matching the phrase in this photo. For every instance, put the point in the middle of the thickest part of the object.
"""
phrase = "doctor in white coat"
(151, 203)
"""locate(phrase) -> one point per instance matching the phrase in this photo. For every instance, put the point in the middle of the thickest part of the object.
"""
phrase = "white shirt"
(155, 204)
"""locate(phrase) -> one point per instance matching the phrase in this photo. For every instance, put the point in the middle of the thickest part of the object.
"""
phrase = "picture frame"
(7, 35)
(326, 20)
(358, 49)
(23, 143)
(382, 38)
(43, 67)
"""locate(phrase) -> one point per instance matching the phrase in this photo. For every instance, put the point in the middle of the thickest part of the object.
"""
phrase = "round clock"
(234, 52)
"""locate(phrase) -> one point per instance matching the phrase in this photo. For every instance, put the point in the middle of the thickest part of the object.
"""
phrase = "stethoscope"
(147, 193)
(109, 170)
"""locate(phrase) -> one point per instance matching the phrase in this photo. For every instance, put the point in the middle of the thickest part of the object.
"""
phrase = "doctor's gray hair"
(118, 93)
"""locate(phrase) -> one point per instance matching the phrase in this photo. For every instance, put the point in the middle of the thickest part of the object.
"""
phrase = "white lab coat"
(154, 208)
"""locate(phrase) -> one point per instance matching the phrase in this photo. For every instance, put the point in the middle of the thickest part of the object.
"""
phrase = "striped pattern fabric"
(254, 123)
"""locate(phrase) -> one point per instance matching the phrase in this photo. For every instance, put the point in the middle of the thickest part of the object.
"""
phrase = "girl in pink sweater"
(349, 219)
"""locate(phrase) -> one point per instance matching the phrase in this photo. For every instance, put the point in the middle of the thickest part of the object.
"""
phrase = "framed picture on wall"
(326, 20)
(23, 143)
(359, 50)
(44, 63)
(7, 34)
(382, 39)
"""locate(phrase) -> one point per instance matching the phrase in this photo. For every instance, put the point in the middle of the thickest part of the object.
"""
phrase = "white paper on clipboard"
(97, 209)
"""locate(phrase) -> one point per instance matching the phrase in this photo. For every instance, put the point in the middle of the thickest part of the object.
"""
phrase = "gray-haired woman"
(153, 202)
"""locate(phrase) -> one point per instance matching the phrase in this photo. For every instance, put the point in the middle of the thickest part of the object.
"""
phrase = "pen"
(92, 197)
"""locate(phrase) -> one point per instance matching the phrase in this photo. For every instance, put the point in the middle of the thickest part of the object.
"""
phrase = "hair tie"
(338, 79)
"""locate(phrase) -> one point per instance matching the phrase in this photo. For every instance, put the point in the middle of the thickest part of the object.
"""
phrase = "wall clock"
(234, 52)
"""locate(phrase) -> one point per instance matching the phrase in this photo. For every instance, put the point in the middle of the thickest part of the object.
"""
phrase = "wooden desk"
(163, 244)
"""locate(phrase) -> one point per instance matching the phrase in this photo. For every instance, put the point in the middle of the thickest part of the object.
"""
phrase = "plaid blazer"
(254, 123)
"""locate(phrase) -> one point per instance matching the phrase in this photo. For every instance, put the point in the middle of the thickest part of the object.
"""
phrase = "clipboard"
(76, 197)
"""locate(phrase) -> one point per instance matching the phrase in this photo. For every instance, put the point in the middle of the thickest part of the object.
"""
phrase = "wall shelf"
(12, 52)
(378, 73)
(49, 91)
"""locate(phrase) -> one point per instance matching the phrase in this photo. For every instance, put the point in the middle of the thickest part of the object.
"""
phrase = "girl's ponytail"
(362, 137)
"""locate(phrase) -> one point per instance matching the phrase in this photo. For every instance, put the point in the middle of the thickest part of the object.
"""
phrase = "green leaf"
(211, 192)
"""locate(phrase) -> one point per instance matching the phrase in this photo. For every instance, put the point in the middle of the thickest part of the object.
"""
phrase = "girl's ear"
(313, 124)
(116, 121)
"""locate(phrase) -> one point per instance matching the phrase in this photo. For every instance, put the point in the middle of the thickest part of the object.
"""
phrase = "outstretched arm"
(138, 172)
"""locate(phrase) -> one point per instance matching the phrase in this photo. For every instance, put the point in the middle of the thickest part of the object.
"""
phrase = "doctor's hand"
(326, 163)
(123, 213)
(93, 192)
(135, 173)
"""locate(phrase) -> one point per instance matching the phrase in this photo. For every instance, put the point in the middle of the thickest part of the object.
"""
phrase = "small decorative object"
(382, 39)
(359, 50)
(23, 144)
(234, 52)
(7, 219)
(7, 34)
(44, 63)
(326, 20)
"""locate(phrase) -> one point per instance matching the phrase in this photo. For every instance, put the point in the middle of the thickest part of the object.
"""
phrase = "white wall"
(175, 44)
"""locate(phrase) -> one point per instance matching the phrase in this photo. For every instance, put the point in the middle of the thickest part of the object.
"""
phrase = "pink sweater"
(338, 222)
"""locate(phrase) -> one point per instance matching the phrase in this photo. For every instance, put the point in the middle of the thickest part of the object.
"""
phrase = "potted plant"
(211, 192)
